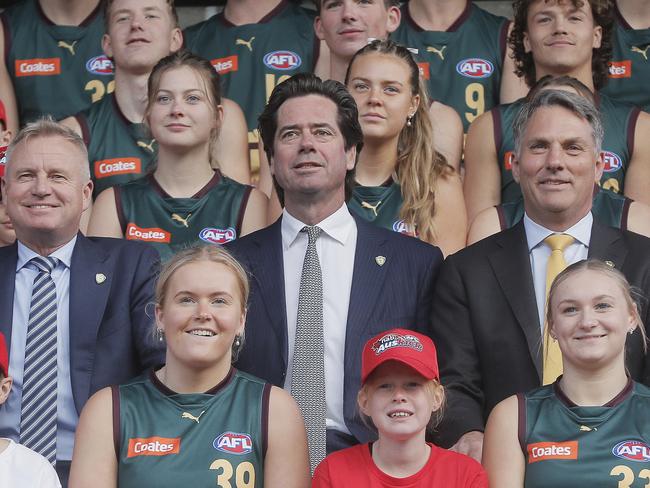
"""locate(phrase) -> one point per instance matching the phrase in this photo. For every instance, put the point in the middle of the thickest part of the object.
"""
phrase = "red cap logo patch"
(233, 443)
(396, 340)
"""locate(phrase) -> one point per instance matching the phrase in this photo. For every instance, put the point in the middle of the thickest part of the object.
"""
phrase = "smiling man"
(490, 298)
(325, 281)
(72, 308)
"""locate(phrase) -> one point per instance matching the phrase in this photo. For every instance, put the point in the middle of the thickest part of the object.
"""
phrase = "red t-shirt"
(354, 467)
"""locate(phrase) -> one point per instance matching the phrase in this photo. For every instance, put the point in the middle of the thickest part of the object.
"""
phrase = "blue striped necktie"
(38, 408)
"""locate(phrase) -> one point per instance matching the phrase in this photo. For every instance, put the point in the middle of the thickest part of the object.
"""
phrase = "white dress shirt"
(336, 249)
(539, 253)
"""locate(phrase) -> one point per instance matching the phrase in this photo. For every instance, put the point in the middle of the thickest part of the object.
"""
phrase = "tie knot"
(44, 265)
(313, 231)
(558, 242)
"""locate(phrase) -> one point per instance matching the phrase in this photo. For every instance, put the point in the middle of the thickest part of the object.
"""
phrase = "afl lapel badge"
(380, 260)
(100, 278)
(610, 264)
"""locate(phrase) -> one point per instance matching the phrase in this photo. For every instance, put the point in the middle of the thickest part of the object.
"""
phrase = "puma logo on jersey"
(439, 52)
(642, 52)
(188, 415)
(180, 219)
(586, 428)
(248, 44)
(69, 47)
(371, 207)
(148, 147)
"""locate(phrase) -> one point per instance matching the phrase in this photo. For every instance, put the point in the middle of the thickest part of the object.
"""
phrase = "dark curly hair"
(603, 13)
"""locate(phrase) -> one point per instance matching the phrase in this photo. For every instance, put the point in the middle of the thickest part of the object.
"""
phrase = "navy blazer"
(111, 337)
(395, 294)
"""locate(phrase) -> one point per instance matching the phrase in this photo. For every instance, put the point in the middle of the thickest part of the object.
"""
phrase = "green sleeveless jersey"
(119, 151)
(380, 205)
(463, 65)
(214, 215)
(619, 122)
(629, 70)
(168, 439)
(583, 447)
(609, 208)
(57, 70)
(253, 58)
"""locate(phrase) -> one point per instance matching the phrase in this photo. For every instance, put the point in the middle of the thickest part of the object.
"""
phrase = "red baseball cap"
(4, 356)
(406, 346)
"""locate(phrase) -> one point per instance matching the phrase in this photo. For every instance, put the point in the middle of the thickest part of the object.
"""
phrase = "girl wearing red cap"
(401, 396)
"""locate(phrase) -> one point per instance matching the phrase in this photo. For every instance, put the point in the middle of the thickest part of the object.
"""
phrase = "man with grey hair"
(72, 308)
(490, 298)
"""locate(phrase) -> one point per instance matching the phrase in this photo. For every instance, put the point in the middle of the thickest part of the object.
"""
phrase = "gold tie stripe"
(556, 263)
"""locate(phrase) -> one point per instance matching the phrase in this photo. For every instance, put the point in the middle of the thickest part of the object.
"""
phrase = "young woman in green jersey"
(196, 421)
(184, 199)
(592, 426)
(403, 183)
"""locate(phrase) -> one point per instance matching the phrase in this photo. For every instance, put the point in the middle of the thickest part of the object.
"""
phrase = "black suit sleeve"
(460, 371)
(426, 287)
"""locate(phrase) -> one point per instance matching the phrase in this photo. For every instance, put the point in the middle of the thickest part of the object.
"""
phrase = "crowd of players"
(442, 131)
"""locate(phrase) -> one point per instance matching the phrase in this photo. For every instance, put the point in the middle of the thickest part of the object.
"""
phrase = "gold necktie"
(556, 263)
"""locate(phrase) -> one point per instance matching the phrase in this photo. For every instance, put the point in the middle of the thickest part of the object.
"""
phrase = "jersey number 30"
(244, 474)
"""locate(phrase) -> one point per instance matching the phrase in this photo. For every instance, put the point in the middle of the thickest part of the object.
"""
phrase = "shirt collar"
(63, 254)
(536, 233)
(338, 226)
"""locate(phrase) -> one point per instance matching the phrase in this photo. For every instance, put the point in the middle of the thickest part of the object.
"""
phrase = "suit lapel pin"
(380, 260)
(610, 264)
(100, 278)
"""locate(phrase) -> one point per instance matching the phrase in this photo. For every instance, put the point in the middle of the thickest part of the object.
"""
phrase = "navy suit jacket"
(396, 294)
(111, 337)
(487, 329)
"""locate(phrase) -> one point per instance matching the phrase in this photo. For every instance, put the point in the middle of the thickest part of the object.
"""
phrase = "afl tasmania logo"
(475, 68)
(233, 443)
(100, 65)
(217, 236)
(612, 161)
(633, 451)
(282, 60)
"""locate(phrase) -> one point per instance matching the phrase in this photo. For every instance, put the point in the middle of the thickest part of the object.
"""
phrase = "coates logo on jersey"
(508, 157)
(282, 60)
(117, 166)
(38, 67)
(475, 68)
(424, 70)
(543, 451)
(620, 69)
(150, 234)
(153, 446)
(389, 341)
(233, 443)
(633, 451)
(100, 65)
(612, 161)
(217, 236)
(225, 65)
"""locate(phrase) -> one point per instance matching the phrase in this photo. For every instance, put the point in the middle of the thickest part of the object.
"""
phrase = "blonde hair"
(418, 165)
(632, 296)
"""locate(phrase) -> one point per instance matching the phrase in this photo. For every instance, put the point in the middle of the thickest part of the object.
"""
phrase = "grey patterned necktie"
(308, 373)
(38, 408)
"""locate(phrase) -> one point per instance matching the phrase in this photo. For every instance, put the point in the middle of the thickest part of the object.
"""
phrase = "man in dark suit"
(372, 279)
(490, 298)
(91, 296)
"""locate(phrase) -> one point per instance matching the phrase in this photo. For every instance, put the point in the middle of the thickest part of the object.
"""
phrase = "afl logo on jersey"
(632, 451)
(403, 228)
(612, 161)
(475, 68)
(282, 60)
(233, 443)
(217, 236)
(100, 65)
